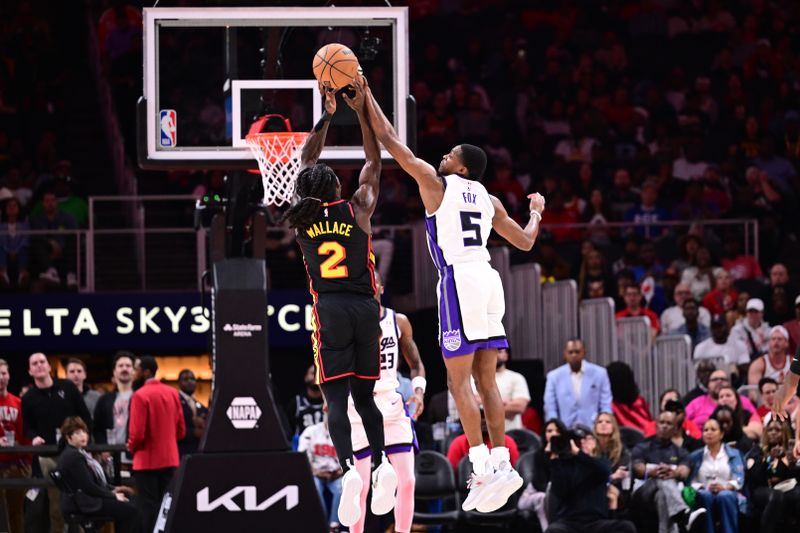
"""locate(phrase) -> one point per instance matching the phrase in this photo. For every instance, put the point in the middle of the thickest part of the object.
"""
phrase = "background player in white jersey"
(460, 216)
(397, 337)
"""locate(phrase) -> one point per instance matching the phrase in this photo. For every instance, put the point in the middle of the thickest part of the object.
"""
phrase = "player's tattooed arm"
(507, 227)
(366, 196)
(316, 138)
(411, 354)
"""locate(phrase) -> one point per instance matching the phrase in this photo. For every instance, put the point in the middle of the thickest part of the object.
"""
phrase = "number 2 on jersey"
(467, 224)
(330, 268)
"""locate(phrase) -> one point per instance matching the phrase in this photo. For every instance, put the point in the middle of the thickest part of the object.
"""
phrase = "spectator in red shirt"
(739, 265)
(12, 466)
(557, 213)
(459, 448)
(531, 420)
(633, 307)
(506, 187)
(722, 298)
(156, 425)
(793, 327)
(630, 408)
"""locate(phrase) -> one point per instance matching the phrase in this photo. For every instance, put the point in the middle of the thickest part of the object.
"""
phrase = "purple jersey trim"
(363, 454)
(398, 448)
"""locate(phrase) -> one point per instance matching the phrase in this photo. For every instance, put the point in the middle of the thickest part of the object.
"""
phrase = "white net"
(278, 156)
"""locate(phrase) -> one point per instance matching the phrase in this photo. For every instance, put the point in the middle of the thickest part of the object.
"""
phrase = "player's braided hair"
(315, 185)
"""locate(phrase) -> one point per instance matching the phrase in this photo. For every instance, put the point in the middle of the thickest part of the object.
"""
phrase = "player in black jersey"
(335, 236)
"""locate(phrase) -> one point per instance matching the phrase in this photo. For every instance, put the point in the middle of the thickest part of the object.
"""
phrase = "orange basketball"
(335, 65)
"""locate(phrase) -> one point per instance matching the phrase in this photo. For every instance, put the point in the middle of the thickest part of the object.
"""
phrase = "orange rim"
(273, 143)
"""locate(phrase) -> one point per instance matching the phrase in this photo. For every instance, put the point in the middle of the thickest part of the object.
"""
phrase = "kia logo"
(250, 500)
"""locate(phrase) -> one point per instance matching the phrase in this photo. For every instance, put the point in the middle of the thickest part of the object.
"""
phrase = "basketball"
(335, 65)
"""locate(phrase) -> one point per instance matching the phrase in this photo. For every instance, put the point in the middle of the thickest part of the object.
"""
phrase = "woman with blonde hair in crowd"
(610, 447)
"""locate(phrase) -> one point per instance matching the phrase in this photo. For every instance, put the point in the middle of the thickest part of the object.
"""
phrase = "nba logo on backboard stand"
(169, 128)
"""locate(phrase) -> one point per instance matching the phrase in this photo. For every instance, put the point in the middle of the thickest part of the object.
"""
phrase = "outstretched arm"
(366, 196)
(316, 138)
(507, 227)
(411, 354)
(430, 184)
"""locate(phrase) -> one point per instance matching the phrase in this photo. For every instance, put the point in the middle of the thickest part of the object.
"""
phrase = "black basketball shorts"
(346, 336)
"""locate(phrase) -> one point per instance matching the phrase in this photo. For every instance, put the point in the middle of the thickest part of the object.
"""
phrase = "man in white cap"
(752, 330)
(775, 364)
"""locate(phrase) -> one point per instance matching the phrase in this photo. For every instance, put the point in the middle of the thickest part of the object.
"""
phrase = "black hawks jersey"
(337, 252)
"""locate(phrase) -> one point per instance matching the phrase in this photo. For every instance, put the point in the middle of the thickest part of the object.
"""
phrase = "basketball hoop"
(278, 156)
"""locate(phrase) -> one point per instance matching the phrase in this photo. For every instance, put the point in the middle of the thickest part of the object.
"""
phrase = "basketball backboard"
(209, 73)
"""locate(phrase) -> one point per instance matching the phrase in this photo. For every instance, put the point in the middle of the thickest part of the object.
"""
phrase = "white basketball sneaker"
(350, 502)
(507, 481)
(384, 488)
(477, 486)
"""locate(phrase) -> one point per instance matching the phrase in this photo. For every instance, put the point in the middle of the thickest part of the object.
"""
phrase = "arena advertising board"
(242, 492)
(157, 321)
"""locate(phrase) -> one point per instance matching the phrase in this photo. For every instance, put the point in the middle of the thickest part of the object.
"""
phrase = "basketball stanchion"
(245, 476)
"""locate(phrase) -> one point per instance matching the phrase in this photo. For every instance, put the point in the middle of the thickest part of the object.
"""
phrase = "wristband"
(537, 214)
(419, 383)
(326, 117)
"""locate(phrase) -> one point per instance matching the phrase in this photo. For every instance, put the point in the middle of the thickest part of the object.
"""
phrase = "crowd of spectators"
(636, 112)
(37, 188)
(708, 459)
(154, 422)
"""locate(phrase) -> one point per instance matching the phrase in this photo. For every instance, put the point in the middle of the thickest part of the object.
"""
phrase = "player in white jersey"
(460, 215)
(397, 338)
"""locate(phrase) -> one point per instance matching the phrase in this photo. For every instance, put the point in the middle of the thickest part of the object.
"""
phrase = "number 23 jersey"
(337, 252)
(460, 227)
(390, 352)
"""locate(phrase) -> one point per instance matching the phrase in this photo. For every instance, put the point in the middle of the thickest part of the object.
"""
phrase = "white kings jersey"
(459, 229)
(390, 352)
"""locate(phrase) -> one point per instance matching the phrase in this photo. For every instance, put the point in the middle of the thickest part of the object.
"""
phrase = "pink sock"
(364, 468)
(403, 464)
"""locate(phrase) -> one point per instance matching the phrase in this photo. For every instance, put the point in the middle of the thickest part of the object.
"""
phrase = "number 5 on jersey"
(330, 268)
(469, 225)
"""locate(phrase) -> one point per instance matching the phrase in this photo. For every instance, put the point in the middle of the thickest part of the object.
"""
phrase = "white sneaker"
(51, 274)
(350, 501)
(507, 482)
(477, 489)
(384, 488)
(693, 517)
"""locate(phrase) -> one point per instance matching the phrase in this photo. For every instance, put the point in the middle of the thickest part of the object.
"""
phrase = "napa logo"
(243, 412)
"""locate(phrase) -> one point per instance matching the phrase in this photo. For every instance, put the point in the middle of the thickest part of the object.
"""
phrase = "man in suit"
(194, 413)
(156, 425)
(577, 391)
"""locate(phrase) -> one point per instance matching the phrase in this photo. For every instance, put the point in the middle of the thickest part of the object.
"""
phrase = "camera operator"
(579, 487)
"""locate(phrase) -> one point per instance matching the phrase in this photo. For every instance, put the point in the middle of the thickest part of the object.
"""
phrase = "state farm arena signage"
(157, 322)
